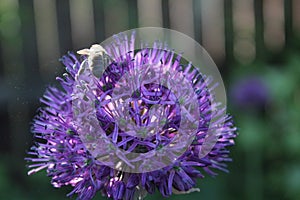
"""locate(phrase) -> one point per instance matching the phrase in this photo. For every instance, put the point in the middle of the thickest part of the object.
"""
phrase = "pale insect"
(97, 58)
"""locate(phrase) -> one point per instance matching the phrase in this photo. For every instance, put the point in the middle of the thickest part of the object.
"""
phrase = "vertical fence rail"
(296, 17)
(132, 14)
(288, 15)
(259, 29)
(99, 20)
(197, 21)
(166, 14)
(228, 32)
(64, 25)
(149, 13)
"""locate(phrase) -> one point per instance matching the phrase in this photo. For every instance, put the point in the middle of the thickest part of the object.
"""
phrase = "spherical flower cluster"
(60, 150)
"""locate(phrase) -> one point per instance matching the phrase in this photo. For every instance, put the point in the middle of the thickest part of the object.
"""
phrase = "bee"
(97, 59)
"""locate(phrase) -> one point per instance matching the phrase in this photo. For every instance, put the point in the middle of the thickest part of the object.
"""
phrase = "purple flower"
(60, 150)
(250, 92)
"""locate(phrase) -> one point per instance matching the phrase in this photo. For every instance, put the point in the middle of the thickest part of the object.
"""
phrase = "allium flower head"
(129, 122)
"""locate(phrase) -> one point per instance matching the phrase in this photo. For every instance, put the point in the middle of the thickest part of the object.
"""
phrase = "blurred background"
(255, 43)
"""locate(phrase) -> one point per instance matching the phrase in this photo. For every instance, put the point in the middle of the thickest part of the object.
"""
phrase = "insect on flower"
(140, 124)
(97, 58)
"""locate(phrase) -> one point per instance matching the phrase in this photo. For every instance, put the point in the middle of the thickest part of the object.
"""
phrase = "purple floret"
(250, 93)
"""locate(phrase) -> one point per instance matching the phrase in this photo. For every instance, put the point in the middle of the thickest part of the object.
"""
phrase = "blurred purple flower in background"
(250, 92)
(61, 152)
